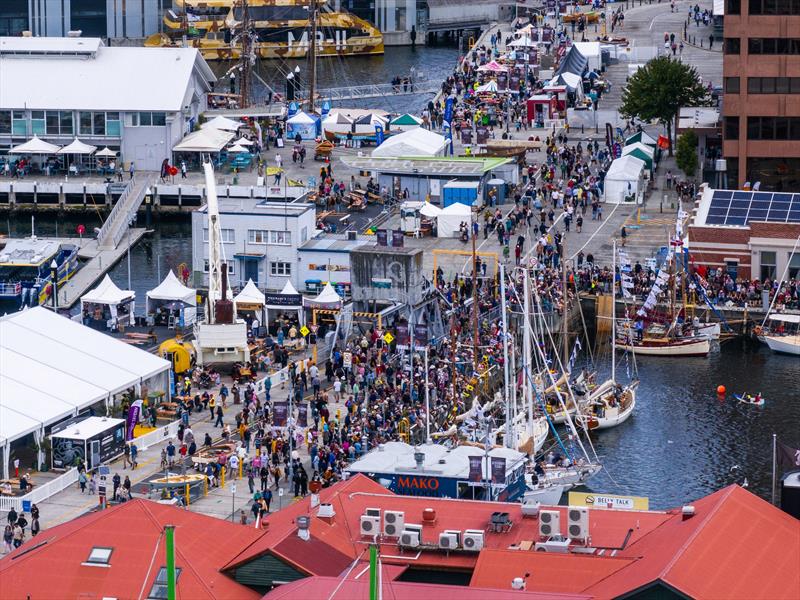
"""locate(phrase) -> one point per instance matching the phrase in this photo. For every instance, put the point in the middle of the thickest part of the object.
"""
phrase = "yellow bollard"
(205, 486)
(638, 215)
(240, 470)
(222, 478)
(187, 495)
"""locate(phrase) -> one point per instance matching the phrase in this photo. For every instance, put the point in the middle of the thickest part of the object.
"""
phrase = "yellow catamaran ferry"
(282, 26)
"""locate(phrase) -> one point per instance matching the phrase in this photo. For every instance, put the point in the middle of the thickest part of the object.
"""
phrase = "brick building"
(748, 234)
(761, 69)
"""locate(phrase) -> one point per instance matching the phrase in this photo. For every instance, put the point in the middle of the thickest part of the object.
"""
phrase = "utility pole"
(312, 55)
(475, 312)
(509, 416)
(245, 60)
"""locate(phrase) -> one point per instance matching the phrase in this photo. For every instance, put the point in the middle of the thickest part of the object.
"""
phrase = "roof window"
(159, 589)
(99, 556)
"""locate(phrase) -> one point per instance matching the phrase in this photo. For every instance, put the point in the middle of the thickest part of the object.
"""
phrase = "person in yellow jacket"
(212, 405)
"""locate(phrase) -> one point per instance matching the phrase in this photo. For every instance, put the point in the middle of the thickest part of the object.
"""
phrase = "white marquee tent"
(449, 220)
(250, 295)
(625, 177)
(327, 297)
(35, 145)
(415, 142)
(222, 123)
(108, 294)
(173, 294)
(289, 299)
(51, 368)
(205, 140)
(77, 147)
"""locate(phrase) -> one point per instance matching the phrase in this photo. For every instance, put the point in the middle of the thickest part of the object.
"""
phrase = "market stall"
(416, 142)
(288, 300)
(95, 441)
(624, 181)
(405, 122)
(249, 303)
(307, 126)
(107, 306)
(449, 220)
(172, 303)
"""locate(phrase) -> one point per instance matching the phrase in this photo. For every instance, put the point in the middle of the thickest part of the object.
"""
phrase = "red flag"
(663, 142)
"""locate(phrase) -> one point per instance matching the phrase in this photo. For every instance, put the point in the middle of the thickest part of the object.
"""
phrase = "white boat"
(532, 441)
(609, 405)
(544, 494)
(710, 330)
(778, 338)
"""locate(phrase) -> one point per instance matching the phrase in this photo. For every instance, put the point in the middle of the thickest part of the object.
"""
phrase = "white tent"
(524, 42)
(489, 86)
(222, 123)
(641, 150)
(288, 299)
(429, 210)
(415, 142)
(77, 147)
(34, 146)
(108, 294)
(205, 140)
(106, 153)
(591, 50)
(625, 177)
(250, 295)
(243, 141)
(237, 149)
(173, 295)
(52, 367)
(301, 118)
(450, 218)
(327, 297)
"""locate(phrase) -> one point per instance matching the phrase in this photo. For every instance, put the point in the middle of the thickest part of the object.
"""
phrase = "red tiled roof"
(735, 546)
(313, 555)
(323, 587)
(565, 573)
(133, 529)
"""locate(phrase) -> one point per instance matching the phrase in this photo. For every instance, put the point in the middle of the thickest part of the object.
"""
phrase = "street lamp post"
(54, 279)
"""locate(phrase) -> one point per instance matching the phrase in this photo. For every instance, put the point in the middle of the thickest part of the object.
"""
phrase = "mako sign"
(411, 484)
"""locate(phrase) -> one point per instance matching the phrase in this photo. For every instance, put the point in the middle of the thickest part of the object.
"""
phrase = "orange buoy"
(720, 389)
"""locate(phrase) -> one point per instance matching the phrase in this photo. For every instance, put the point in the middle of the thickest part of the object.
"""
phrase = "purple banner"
(475, 468)
(381, 236)
(279, 413)
(397, 238)
(498, 469)
(502, 82)
(420, 335)
(515, 83)
(302, 415)
(133, 418)
(403, 337)
(482, 135)
(466, 135)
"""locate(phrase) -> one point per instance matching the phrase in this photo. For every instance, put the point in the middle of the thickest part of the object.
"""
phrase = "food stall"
(171, 303)
(95, 441)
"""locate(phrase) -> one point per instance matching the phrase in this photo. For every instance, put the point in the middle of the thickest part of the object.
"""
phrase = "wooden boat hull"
(682, 348)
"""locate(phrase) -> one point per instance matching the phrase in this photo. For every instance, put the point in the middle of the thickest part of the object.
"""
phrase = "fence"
(41, 492)
(143, 442)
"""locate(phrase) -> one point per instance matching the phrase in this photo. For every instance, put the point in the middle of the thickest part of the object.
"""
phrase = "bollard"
(581, 127)
(222, 478)
(188, 496)
(240, 470)
(205, 486)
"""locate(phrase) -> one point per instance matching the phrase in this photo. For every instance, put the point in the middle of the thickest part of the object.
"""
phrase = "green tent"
(642, 137)
(407, 120)
(642, 152)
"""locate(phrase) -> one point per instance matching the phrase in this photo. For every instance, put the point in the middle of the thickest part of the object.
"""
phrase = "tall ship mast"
(283, 29)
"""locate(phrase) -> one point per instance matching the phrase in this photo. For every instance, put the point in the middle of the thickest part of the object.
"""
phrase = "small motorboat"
(757, 400)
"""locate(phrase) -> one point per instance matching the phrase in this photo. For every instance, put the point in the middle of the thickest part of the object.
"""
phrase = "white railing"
(41, 492)
(141, 191)
(162, 434)
(105, 230)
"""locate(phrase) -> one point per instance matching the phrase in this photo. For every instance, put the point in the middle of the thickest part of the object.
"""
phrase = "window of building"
(773, 46)
(731, 128)
(773, 128)
(5, 121)
(100, 555)
(257, 236)
(303, 235)
(280, 238)
(768, 264)
(773, 85)
(159, 589)
(731, 85)
(794, 265)
(66, 125)
(280, 269)
(37, 122)
(85, 121)
(231, 267)
(228, 236)
(99, 123)
(19, 123)
(733, 7)
(113, 128)
(148, 119)
(732, 46)
(159, 119)
(773, 7)
(53, 122)
(775, 174)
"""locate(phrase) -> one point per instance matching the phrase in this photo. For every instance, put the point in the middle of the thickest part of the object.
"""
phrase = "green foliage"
(686, 153)
(659, 89)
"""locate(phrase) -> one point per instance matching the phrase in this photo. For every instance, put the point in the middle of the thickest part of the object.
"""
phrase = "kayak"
(748, 399)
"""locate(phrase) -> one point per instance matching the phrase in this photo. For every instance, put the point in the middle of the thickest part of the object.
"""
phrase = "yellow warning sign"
(305, 331)
(388, 337)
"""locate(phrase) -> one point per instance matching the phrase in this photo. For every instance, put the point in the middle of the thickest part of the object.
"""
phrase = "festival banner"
(448, 110)
(475, 468)
(502, 82)
(403, 337)
(482, 135)
(514, 83)
(420, 336)
(498, 469)
(382, 237)
(133, 418)
(398, 237)
(378, 134)
(280, 411)
(302, 415)
(466, 136)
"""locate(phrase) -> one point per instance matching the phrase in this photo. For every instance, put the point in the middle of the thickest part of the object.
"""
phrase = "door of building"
(251, 271)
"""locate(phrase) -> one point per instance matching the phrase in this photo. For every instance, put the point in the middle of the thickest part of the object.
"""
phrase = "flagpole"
(774, 462)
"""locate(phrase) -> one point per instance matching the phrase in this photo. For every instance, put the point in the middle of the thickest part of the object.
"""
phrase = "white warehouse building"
(137, 101)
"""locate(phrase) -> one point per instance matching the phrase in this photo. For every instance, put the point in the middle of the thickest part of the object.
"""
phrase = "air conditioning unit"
(409, 538)
(473, 540)
(448, 539)
(393, 522)
(373, 512)
(578, 522)
(558, 545)
(549, 523)
(370, 525)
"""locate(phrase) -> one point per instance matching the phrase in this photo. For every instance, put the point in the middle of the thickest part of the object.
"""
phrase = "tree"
(659, 89)
(686, 152)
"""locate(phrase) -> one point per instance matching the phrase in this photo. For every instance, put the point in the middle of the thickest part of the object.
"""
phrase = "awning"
(106, 153)
(77, 147)
(34, 146)
(205, 140)
(222, 123)
(573, 62)
(327, 297)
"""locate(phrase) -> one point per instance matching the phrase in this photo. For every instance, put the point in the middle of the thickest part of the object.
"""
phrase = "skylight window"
(159, 590)
(99, 555)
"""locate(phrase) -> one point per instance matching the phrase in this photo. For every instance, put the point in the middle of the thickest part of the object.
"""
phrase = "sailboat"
(783, 334)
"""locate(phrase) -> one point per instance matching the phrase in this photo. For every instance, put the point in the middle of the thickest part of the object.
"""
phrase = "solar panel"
(740, 208)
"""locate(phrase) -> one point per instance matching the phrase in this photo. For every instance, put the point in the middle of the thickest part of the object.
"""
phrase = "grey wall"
(404, 269)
